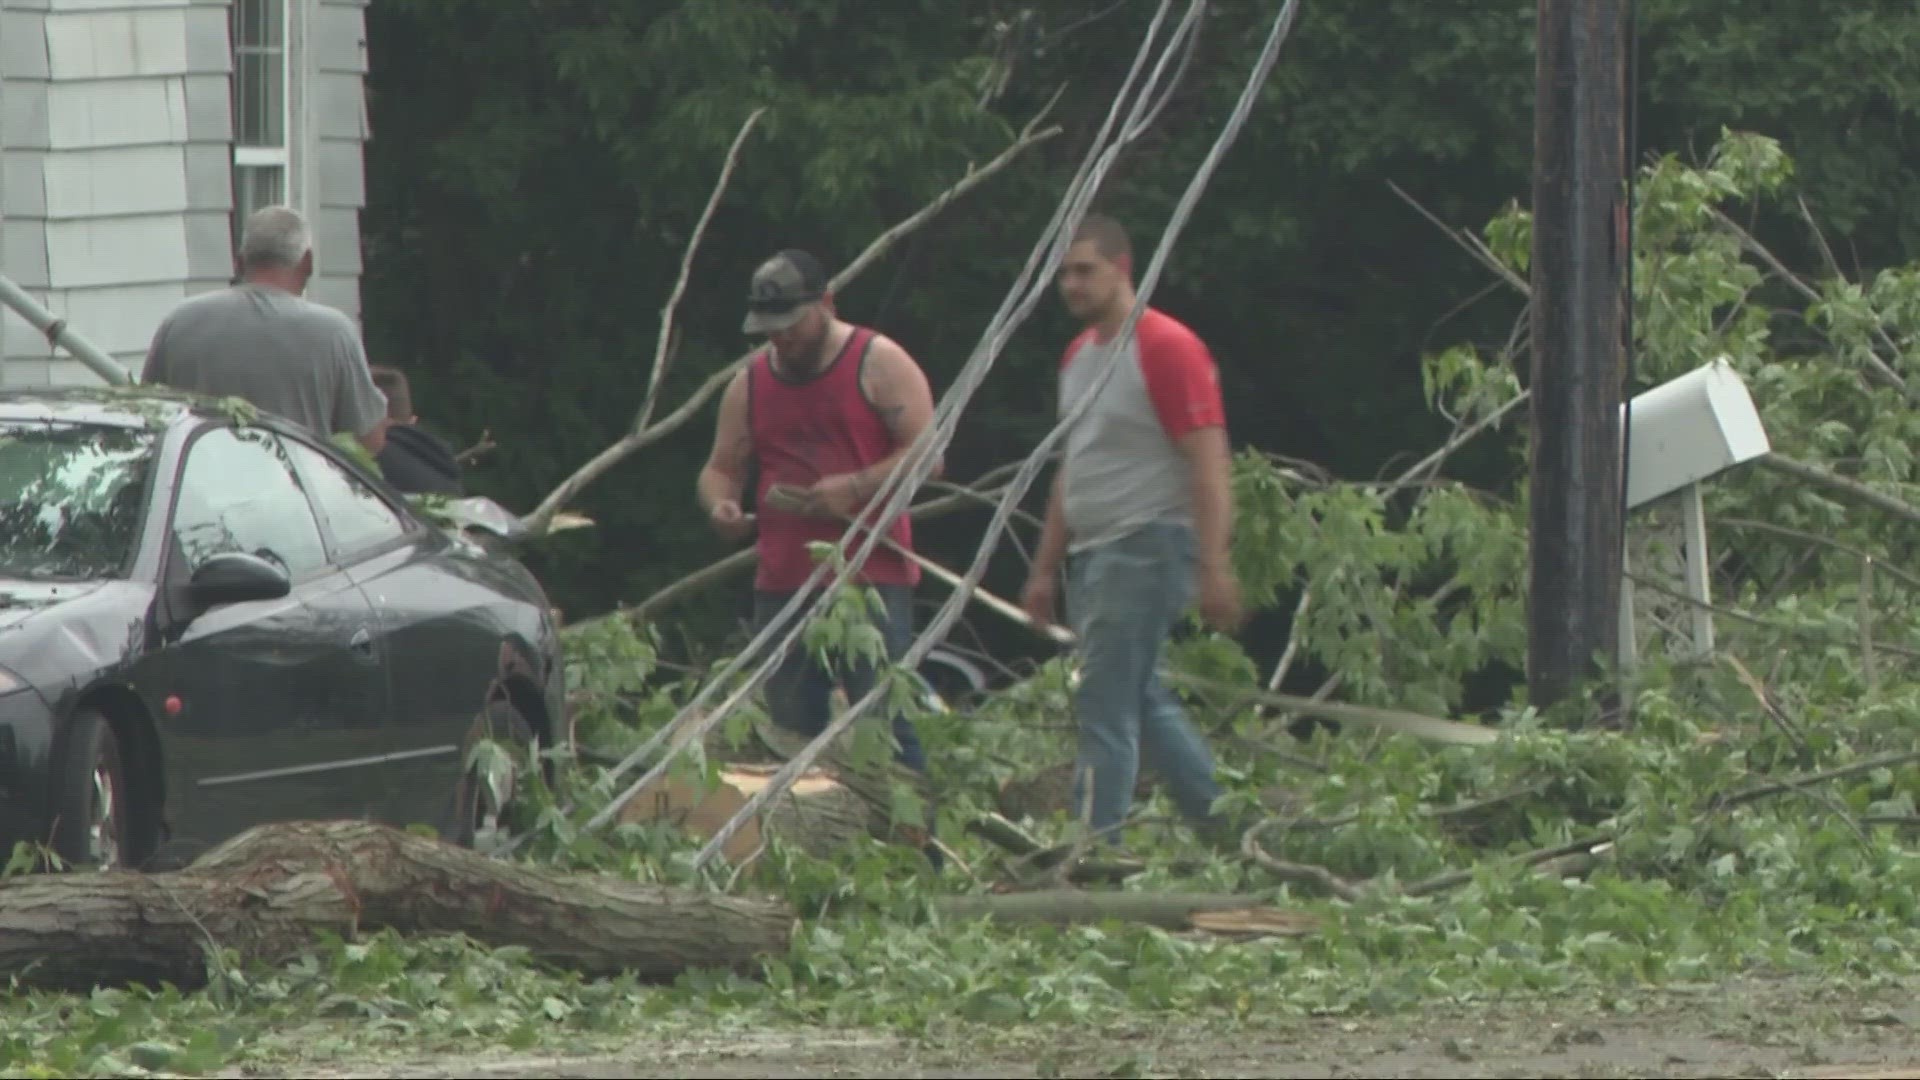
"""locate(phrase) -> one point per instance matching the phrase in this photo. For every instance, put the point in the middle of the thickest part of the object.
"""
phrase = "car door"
(276, 707)
(435, 631)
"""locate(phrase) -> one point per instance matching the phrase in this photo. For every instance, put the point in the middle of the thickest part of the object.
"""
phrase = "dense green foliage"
(536, 170)
(1717, 866)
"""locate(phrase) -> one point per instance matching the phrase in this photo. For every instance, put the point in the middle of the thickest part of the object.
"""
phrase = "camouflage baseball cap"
(782, 288)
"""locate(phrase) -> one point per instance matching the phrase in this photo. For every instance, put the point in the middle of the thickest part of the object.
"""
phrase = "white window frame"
(261, 157)
(278, 158)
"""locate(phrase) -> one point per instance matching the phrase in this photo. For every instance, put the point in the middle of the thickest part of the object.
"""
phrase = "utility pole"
(1579, 315)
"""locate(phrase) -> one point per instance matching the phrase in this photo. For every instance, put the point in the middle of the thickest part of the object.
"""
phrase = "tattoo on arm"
(878, 388)
(884, 390)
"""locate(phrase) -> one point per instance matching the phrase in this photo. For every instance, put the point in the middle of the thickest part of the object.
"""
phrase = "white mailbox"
(1688, 429)
(1680, 433)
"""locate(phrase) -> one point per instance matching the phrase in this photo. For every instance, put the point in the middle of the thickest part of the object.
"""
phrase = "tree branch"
(539, 521)
(1752, 244)
(1477, 248)
(1805, 633)
(645, 433)
(1559, 858)
(1295, 631)
(1407, 723)
(1398, 720)
(1818, 540)
(1300, 873)
(661, 352)
(1794, 783)
(1847, 486)
(1819, 239)
(1460, 437)
(722, 569)
(472, 453)
(1472, 244)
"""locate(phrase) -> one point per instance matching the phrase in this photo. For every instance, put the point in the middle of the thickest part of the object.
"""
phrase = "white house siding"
(337, 56)
(115, 106)
(23, 144)
(116, 132)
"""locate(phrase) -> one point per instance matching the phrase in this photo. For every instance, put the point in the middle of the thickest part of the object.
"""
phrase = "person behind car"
(414, 459)
(262, 341)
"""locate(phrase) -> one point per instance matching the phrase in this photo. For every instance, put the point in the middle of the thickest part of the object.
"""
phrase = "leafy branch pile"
(1754, 813)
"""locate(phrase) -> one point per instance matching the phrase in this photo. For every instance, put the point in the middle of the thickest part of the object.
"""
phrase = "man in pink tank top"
(827, 410)
(1140, 518)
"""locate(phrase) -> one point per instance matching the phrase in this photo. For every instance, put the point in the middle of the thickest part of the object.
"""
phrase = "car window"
(72, 497)
(238, 492)
(358, 517)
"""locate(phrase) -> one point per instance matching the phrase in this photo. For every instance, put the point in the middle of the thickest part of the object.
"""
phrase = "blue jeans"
(1123, 597)
(799, 691)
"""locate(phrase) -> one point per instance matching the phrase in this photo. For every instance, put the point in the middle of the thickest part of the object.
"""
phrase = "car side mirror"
(234, 577)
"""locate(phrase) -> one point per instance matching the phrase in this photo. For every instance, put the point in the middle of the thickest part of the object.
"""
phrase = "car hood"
(23, 600)
(52, 633)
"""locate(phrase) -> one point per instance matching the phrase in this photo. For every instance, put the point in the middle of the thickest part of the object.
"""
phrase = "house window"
(260, 115)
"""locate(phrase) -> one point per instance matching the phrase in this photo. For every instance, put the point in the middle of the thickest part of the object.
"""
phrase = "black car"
(210, 619)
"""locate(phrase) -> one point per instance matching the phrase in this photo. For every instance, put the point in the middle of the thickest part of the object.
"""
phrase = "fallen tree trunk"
(1222, 913)
(268, 891)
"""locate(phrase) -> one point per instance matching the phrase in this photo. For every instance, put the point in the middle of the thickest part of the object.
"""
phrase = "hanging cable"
(897, 488)
(903, 483)
(905, 478)
(1022, 480)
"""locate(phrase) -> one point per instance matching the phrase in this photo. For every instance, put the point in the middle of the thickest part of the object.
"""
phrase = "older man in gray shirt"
(262, 341)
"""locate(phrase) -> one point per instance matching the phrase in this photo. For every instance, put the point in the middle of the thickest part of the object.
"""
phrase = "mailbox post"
(1684, 432)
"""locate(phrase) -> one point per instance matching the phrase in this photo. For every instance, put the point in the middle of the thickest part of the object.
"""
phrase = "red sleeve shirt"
(1182, 379)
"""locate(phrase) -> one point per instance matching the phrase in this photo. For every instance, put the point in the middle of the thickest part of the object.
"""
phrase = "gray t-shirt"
(1123, 468)
(283, 353)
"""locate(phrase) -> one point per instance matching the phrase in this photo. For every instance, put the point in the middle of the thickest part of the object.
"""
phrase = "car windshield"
(71, 498)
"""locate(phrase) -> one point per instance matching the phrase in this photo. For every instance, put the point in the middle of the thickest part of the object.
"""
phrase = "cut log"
(818, 814)
(873, 783)
(1170, 911)
(825, 810)
(268, 891)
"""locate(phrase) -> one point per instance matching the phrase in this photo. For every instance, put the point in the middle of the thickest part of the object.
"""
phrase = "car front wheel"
(90, 827)
(477, 804)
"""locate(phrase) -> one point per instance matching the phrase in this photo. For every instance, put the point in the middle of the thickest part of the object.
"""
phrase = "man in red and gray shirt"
(1141, 513)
